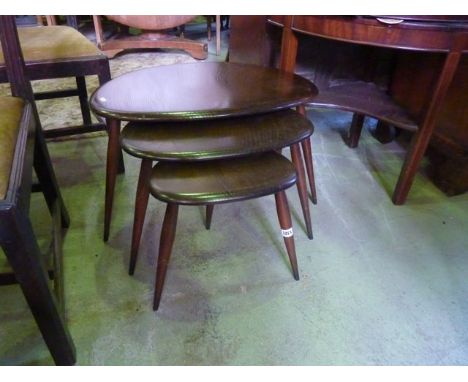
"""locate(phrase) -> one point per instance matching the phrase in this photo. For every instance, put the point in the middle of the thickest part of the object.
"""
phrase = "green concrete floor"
(380, 284)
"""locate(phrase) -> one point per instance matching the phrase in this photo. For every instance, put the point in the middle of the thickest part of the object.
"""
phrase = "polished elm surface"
(221, 181)
(204, 140)
(199, 91)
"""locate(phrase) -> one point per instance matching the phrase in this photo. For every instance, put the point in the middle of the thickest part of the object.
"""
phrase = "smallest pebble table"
(206, 183)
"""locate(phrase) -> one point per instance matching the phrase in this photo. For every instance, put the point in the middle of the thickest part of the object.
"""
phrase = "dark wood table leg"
(113, 149)
(355, 129)
(284, 217)
(24, 257)
(289, 45)
(209, 215)
(307, 150)
(422, 137)
(301, 187)
(105, 76)
(141, 203)
(165, 248)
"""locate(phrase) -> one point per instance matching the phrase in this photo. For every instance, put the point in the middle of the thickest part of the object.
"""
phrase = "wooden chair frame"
(17, 237)
(61, 68)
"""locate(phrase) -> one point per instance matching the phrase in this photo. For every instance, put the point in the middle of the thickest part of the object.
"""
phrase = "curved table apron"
(186, 92)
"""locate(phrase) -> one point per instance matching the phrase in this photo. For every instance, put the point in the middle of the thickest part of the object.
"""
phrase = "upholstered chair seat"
(53, 43)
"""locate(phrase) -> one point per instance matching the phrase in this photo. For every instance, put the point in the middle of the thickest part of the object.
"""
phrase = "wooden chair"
(220, 181)
(59, 51)
(23, 147)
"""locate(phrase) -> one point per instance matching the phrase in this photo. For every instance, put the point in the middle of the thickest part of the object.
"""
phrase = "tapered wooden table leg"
(421, 139)
(301, 187)
(307, 150)
(209, 215)
(284, 217)
(105, 76)
(141, 203)
(113, 148)
(165, 248)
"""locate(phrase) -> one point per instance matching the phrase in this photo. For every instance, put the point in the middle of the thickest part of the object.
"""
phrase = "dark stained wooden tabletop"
(223, 180)
(215, 139)
(199, 91)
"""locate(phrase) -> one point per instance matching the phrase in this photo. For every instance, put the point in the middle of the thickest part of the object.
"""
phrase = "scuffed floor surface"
(380, 284)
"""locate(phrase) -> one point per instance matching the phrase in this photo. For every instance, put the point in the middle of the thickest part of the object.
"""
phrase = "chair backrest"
(14, 62)
(20, 182)
(21, 87)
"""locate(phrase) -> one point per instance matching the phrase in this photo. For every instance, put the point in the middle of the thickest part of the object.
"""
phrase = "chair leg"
(104, 74)
(46, 176)
(141, 203)
(98, 30)
(355, 129)
(165, 248)
(301, 186)
(307, 149)
(113, 149)
(209, 215)
(24, 257)
(83, 97)
(284, 217)
(57, 252)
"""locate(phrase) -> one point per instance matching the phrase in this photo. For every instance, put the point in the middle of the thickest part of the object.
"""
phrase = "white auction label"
(287, 232)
